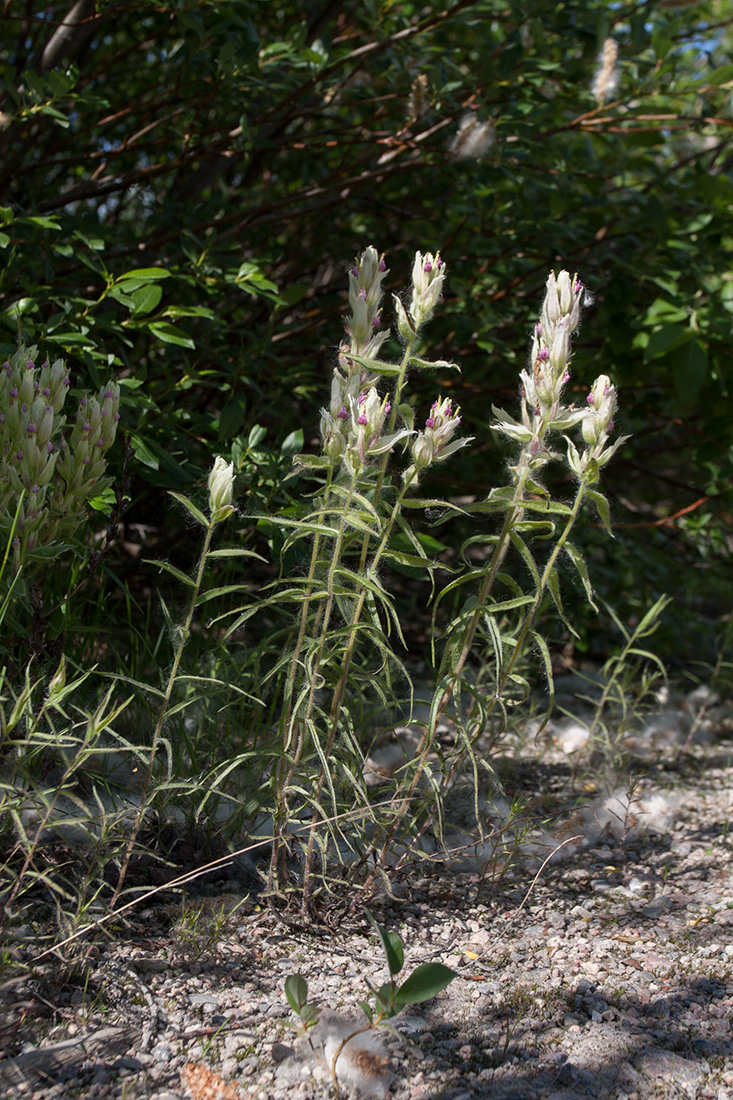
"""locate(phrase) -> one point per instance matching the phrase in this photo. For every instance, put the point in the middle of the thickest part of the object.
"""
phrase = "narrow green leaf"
(439, 364)
(553, 583)
(403, 558)
(577, 559)
(143, 453)
(168, 568)
(376, 365)
(602, 508)
(446, 508)
(197, 514)
(527, 556)
(213, 593)
(169, 334)
(233, 552)
(508, 605)
(391, 944)
(650, 621)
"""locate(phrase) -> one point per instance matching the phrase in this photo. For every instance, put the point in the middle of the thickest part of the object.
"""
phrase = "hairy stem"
(183, 638)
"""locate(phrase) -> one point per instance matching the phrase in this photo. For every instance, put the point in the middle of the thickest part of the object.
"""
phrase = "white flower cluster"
(353, 426)
(544, 383)
(45, 481)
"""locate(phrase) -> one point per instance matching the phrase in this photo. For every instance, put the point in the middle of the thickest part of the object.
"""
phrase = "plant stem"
(184, 635)
(283, 783)
(339, 690)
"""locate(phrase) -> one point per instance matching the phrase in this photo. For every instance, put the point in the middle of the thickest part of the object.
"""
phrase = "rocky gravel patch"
(607, 975)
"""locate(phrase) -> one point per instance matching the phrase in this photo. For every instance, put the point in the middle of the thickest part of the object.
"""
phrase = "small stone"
(161, 1053)
(280, 1052)
(203, 999)
(670, 1067)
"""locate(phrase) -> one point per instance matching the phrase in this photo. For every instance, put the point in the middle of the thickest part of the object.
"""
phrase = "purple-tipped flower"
(436, 442)
(365, 295)
(551, 350)
(365, 440)
(428, 275)
(598, 419)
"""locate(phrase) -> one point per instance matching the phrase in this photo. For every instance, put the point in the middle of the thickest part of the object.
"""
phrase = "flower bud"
(332, 436)
(422, 451)
(602, 403)
(405, 327)
(221, 490)
(27, 388)
(45, 427)
(368, 414)
(428, 274)
(434, 443)
(365, 295)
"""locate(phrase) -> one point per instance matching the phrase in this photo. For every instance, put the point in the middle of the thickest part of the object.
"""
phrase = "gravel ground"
(607, 975)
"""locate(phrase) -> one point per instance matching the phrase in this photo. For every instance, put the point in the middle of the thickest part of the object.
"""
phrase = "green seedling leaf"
(385, 999)
(197, 514)
(296, 991)
(425, 982)
(391, 944)
(309, 1016)
(366, 1009)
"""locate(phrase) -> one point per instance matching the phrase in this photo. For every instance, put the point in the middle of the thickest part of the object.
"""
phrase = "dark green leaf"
(425, 982)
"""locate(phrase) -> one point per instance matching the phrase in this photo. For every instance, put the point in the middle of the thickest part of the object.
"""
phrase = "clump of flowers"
(359, 424)
(46, 480)
(543, 387)
(362, 323)
(435, 443)
(428, 275)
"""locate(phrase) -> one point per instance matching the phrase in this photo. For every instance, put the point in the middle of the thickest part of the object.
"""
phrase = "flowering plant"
(48, 477)
(348, 636)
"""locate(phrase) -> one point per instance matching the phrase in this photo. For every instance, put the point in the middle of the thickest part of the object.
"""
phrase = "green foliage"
(425, 982)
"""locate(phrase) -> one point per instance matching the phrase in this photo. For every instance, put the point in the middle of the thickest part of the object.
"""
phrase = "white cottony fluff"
(362, 1061)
